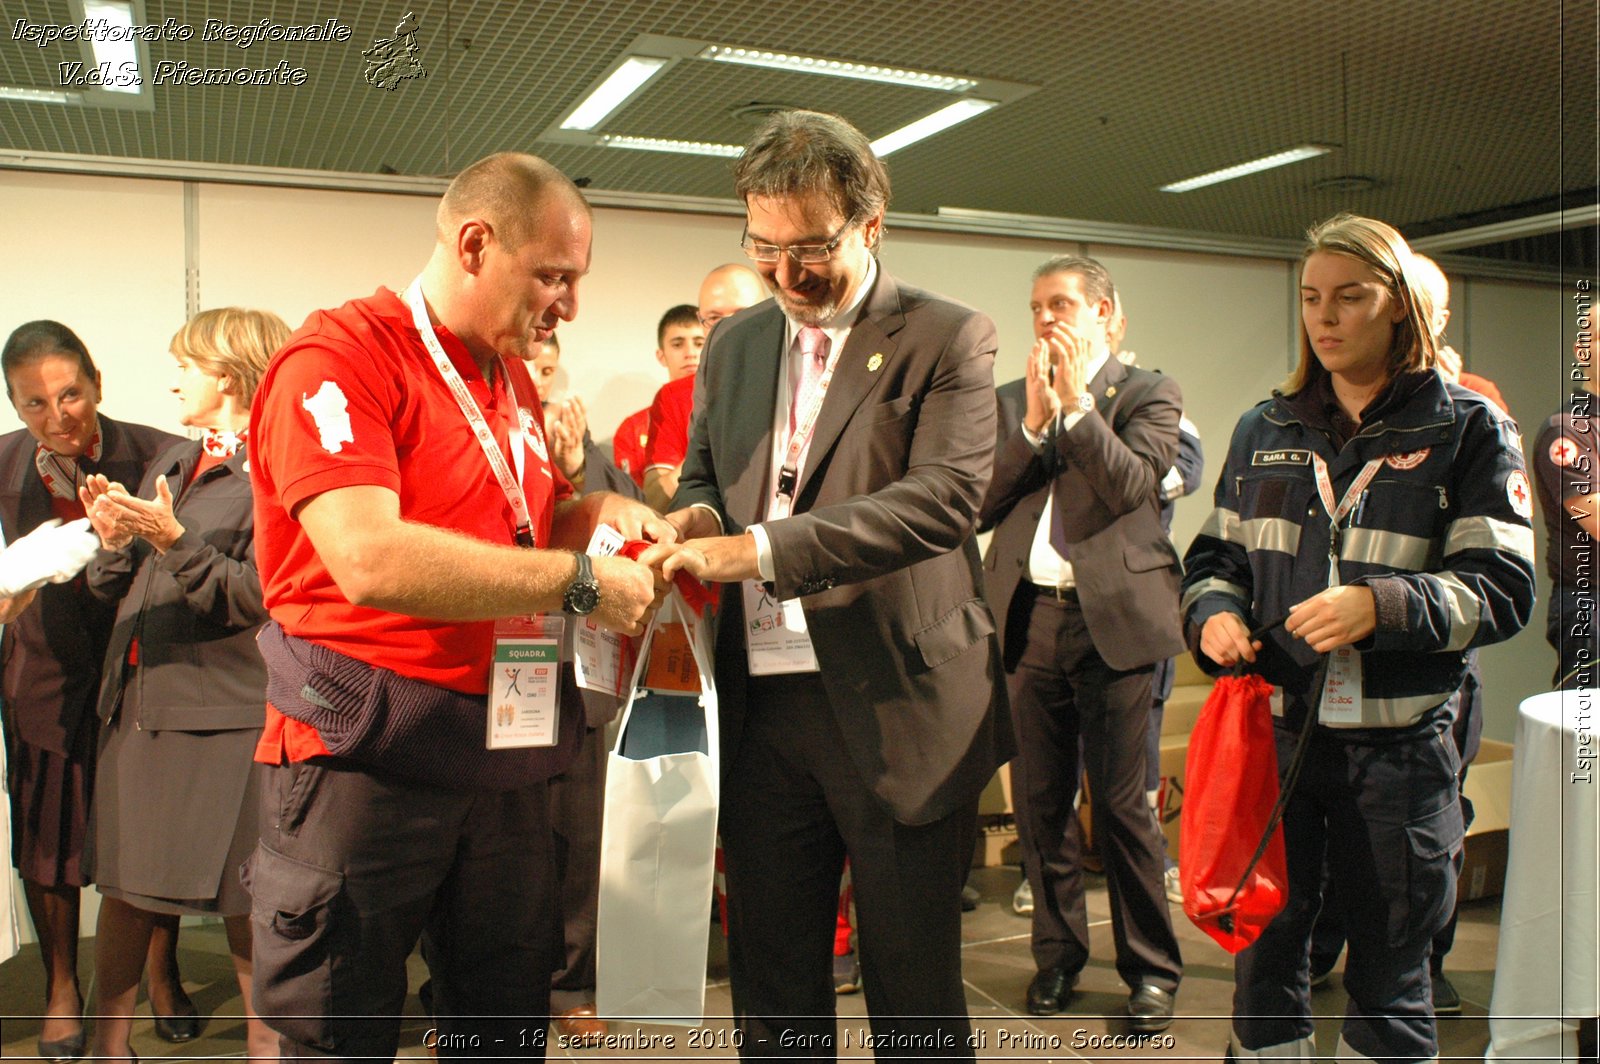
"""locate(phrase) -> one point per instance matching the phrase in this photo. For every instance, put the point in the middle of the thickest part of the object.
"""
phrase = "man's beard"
(805, 313)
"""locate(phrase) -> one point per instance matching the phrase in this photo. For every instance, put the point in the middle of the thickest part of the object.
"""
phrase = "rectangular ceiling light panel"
(1254, 166)
(838, 68)
(928, 125)
(614, 91)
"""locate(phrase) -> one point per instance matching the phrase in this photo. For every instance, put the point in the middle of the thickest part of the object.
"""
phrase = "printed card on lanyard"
(525, 682)
(1341, 690)
(523, 706)
(775, 634)
(598, 661)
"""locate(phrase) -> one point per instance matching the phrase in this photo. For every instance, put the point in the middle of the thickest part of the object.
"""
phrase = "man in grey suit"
(833, 480)
(1084, 583)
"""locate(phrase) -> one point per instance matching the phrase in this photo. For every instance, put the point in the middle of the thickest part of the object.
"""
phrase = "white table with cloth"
(1545, 977)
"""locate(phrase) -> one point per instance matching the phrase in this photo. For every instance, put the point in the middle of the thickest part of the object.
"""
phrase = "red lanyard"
(510, 484)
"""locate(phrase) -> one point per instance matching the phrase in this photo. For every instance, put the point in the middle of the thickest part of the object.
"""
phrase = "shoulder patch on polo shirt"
(1409, 460)
(331, 412)
(1281, 457)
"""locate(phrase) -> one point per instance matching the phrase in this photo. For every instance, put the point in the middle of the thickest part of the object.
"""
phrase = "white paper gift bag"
(658, 842)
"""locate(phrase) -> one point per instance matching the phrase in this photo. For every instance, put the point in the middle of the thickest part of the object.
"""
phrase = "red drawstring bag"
(1231, 861)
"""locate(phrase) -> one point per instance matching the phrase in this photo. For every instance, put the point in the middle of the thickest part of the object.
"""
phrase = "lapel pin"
(1111, 391)
(874, 362)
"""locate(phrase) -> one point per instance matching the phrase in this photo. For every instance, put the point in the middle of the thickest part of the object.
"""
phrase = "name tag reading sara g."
(524, 683)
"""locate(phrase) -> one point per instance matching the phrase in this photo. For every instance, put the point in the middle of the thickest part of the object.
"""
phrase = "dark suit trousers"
(576, 798)
(793, 807)
(1060, 690)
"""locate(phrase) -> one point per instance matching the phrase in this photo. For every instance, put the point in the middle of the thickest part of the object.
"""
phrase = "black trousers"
(1061, 690)
(793, 807)
(576, 799)
(353, 866)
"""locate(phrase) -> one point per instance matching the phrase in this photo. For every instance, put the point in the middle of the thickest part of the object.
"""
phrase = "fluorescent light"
(807, 64)
(12, 92)
(120, 55)
(613, 92)
(678, 147)
(940, 120)
(1254, 166)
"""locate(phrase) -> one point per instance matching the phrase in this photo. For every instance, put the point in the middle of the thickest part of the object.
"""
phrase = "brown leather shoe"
(581, 1026)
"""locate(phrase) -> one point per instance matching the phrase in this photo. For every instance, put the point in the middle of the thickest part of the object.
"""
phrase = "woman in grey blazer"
(174, 809)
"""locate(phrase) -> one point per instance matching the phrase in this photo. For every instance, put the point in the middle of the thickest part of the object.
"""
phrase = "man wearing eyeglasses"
(834, 472)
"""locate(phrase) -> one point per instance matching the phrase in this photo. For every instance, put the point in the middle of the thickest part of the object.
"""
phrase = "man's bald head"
(1437, 286)
(729, 289)
(504, 191)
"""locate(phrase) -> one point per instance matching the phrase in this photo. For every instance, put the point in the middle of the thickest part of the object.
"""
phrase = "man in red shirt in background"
(679, 338)
(405, 505)
(725, 291)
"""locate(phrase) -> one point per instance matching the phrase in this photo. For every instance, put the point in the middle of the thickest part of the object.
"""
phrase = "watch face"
(1085, 402)
(583, 598)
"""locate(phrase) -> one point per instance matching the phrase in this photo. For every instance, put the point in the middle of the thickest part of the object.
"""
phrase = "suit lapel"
(860, 366)
(754, 378)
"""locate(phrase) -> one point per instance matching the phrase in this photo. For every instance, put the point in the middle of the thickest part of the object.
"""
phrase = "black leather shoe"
(1149, 1009)
(1049, 991)
(62, 1050)
(970, 898)
(178, 1029)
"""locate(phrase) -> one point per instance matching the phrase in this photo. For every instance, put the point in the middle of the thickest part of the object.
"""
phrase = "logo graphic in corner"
(392, 60)
(1519, 494)
(331, 412)
(1408, 461)
(1563, 452)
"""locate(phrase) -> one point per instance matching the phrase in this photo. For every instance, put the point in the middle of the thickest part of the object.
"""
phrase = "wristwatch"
(1085, 403)
(583, 594)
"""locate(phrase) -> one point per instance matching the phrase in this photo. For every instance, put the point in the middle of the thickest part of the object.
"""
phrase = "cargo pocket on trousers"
(292, 923)
(1433, 860)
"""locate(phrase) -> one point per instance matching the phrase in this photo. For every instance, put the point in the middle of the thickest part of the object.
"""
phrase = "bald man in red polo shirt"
(409, 524)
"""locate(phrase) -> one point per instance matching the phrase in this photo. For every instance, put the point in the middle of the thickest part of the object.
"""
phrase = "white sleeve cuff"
(1072, 419)
(763, 552)
(708, 508)
(1035, 440)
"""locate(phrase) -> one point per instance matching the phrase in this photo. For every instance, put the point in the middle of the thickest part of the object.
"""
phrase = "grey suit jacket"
(880, 548)
(1105, 472)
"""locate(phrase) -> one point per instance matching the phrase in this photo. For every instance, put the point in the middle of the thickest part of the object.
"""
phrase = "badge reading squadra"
(1408, 461)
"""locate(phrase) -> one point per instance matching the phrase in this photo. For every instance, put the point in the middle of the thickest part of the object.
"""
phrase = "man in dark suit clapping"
(1084, 583)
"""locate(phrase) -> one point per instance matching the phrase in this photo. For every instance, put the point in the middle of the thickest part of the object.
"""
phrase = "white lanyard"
(510, 484)
(1337, 513)
(789, 474)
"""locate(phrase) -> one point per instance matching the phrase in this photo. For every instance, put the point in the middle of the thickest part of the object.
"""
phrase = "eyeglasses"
(800, 254)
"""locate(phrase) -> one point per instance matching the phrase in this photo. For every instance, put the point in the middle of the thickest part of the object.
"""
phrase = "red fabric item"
(285, 740)
(1484, 387)
(669, 424)
(354, 399)
(695, 594)
(1232, 785)
(628, 444)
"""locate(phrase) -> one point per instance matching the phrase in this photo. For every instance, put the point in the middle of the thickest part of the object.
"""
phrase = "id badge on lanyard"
(525, 683)
(1341, 688)
(523, 707)
(775, 635)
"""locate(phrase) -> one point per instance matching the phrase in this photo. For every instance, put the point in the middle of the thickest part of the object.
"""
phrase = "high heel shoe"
(62, 1050)
(184, 1027)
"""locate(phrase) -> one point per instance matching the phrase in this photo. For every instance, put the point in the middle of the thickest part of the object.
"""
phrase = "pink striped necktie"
(813, 343)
